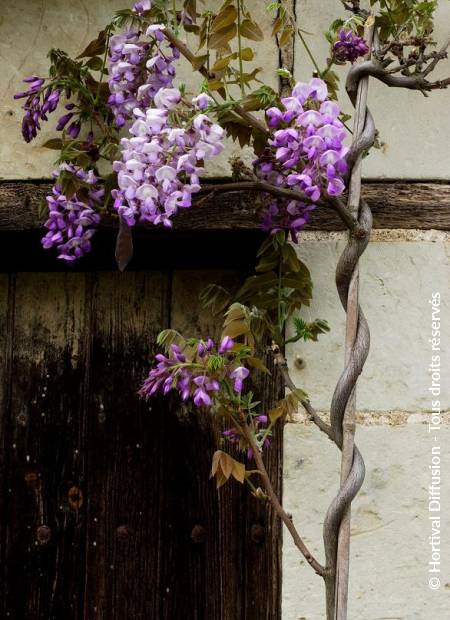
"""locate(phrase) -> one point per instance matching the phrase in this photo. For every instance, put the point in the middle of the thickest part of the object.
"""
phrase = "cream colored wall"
(390, 520)
(29, 28)
(415, 129)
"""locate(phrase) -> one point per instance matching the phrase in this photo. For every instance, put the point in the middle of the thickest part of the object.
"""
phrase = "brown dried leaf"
(226, 464)
(222, 63)
(238, 472)
(247, 53)
(95, 47)
(215, 462)
(223, 466)
(235, 329)
(276, 413)
(199, 61)
(277, 26)
(252, 31)
(225, 18)
(53, 143)
(255, 362)
(219, 39)
(124, 245)
(215, 85)
(286, 36)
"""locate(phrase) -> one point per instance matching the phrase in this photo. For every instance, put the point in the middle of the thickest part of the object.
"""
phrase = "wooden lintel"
(395, 204)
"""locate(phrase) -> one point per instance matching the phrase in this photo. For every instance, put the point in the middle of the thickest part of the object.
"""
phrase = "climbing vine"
(133, 142)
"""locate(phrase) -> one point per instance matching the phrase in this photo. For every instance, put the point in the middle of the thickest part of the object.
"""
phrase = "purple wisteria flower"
(226, 344)
(142, 6)
(138, 70)
(202, 101)
(349, 46)
(71, 222)
(238, 375)
(161, 161)
(306, 153)
(39, 103)
(192, 377)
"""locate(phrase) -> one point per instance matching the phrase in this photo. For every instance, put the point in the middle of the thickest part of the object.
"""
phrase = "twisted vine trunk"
(336, 531)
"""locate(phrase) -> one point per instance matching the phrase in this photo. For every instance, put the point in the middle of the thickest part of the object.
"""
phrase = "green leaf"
(54, 143)
(215, 362)
(95, 63)
(168, 337)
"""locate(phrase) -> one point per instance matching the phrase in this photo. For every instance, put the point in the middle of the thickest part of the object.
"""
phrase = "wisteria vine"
(122, 104)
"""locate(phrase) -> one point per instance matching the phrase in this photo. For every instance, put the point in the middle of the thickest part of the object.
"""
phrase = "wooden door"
(106, 507)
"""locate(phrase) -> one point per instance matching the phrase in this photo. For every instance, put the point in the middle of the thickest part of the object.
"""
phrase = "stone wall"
(400, 271)
(390, 526)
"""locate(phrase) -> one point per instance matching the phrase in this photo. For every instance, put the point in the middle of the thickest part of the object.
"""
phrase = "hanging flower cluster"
(39, 103)
(199, 375)
(349, 46)
(161, 162)
(72, 222)
(138, 70)
(306, 153)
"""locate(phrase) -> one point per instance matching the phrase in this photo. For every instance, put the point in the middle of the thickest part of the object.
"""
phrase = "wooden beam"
(395, 204)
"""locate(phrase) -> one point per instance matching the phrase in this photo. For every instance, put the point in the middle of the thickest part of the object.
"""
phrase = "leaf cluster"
(404, 16)
(287, 406)
(308, 331)
(223, 466)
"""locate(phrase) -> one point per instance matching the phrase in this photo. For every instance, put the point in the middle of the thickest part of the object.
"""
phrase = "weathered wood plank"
(7, 284)
(264, 530)
(108, 511)
(239, 561)
(44, 535)
(124, 450)
(395, 204)
(205, 533)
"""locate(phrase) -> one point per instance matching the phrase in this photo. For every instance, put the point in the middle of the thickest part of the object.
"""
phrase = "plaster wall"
(391, 527)
(416, 142)
(391, 522)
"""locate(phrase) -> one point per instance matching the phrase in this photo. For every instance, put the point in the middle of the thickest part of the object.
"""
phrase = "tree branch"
(440, 55)
(190, 56)
(346, 216)
(281, 363)
(281, 192)
(412, 82)
(298, 541)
